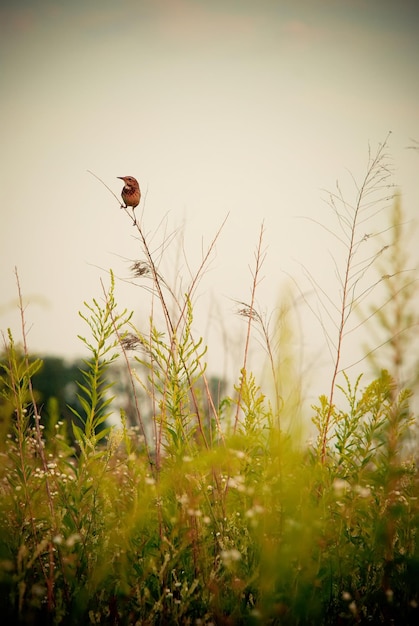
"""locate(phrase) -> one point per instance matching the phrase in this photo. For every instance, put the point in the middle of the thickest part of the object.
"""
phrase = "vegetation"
(206, 508)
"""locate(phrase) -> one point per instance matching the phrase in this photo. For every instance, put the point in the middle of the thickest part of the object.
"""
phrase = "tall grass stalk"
(251, 314)
(371, 197)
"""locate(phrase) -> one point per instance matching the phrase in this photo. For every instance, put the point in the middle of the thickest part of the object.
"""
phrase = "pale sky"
(223, 107)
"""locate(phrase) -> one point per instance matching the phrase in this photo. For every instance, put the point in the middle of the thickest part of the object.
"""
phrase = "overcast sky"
(233, 107)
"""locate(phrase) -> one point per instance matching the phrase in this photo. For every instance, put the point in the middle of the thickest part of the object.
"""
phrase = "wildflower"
(340, 486)
(255, 510)
(73, 539)
(352, 607)
(229, 556)
(183, 499)
(364, 492)
(236, 482)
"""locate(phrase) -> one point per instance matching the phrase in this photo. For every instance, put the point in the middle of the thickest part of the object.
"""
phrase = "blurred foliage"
(56, 387)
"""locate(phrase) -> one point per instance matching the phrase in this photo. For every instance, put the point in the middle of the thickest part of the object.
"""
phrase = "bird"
(131, 193)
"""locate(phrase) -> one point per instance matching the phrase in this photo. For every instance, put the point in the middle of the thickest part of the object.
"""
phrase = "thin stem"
(259, 259)
(376, 174)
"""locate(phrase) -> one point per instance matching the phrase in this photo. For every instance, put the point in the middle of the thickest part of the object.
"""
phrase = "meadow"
(207, 507)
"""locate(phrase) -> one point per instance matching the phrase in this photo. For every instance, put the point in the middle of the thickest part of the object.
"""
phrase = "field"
(206, 507)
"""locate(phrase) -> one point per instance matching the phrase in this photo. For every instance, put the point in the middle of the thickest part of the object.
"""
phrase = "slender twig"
(105, 185)
(259, 259)
(376, 174)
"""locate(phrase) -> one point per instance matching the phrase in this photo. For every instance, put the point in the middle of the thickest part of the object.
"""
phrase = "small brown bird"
(131, 193)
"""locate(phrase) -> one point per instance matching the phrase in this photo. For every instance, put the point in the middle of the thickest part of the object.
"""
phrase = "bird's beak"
(121, 177)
